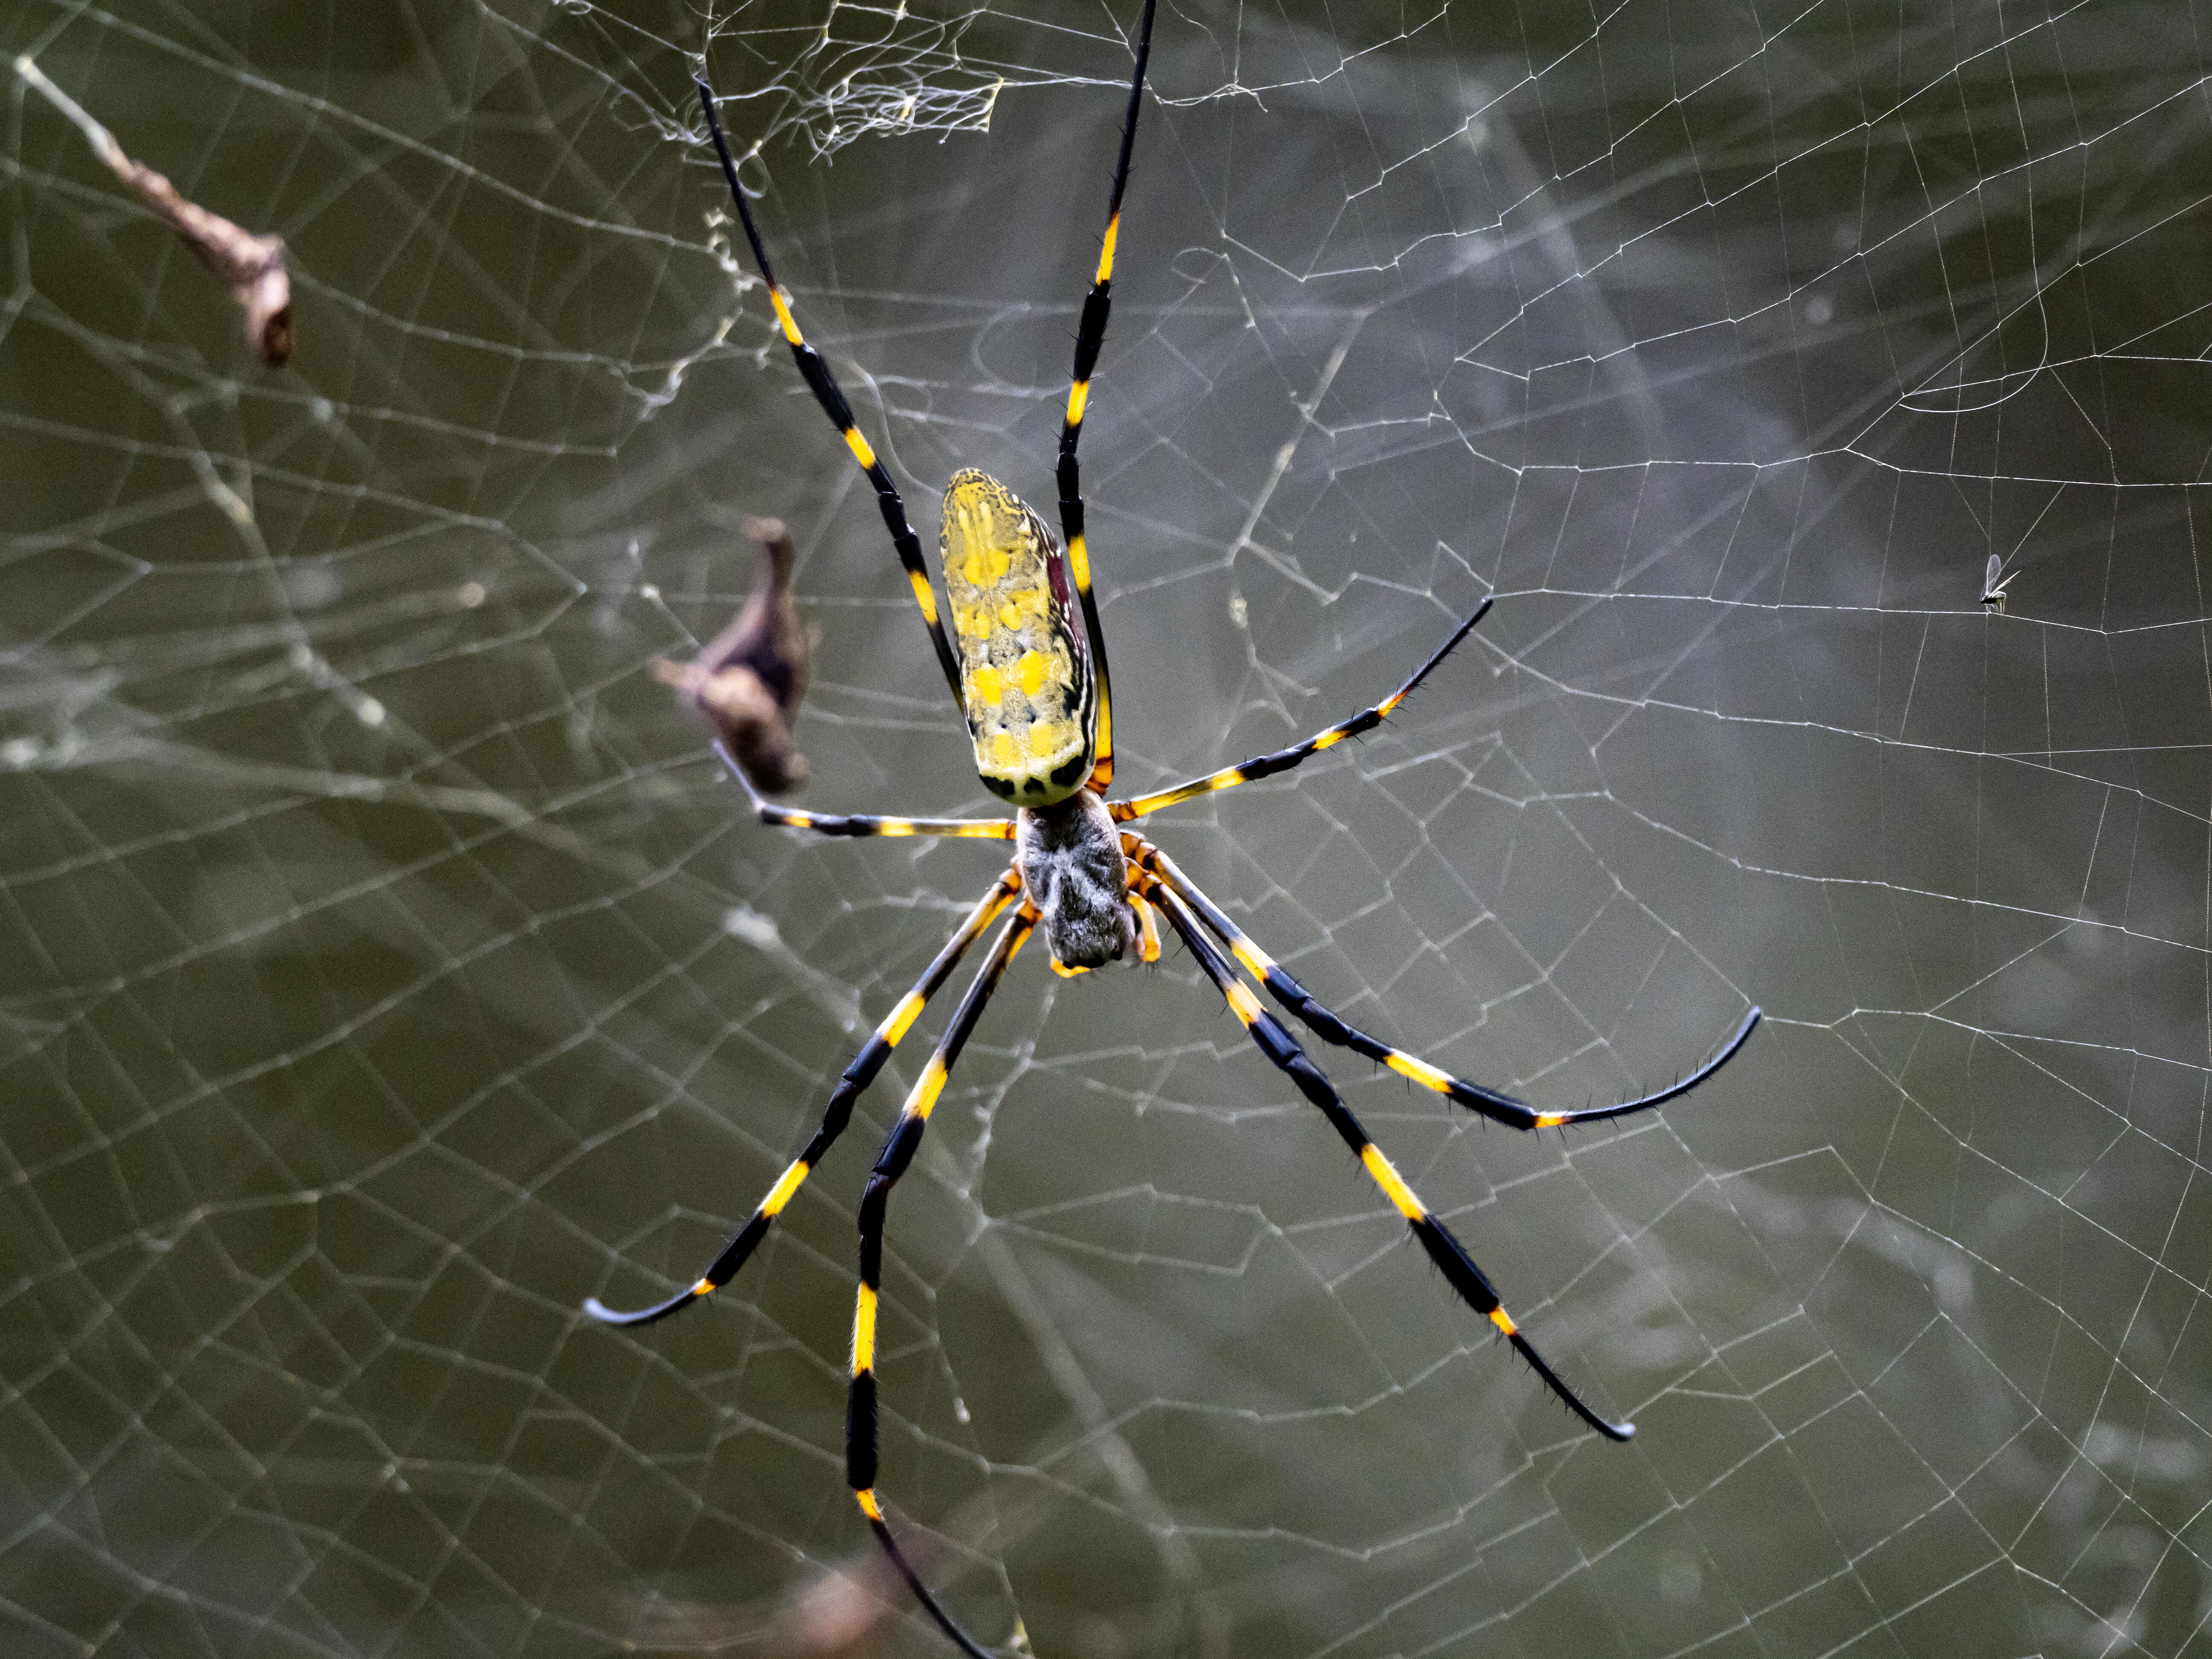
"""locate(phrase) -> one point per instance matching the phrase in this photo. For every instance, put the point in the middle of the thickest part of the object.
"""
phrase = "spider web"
(387, 968)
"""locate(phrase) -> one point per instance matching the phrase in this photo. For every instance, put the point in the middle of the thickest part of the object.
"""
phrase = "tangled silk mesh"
(385, 967)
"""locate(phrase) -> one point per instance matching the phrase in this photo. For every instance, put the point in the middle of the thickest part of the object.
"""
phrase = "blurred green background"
(385, 967)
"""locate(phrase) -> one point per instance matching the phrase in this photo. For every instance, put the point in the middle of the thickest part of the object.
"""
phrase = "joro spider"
(1039, 708)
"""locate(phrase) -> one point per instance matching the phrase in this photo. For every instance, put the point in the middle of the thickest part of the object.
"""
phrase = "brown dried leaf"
(749, 679)
(253, 266)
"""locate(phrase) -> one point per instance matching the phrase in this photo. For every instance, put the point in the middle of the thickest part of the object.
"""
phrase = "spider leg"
(1331, 1028)
(857, 1076)
(1090, 337)
(1283, 760)
(836, 824)
(905, 1139)
(1450, 1256)
(814, 370)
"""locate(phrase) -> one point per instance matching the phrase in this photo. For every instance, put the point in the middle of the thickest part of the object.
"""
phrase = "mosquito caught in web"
(1025, 661)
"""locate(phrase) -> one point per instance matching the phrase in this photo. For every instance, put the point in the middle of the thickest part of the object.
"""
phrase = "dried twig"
(253, 266)
(749, 679)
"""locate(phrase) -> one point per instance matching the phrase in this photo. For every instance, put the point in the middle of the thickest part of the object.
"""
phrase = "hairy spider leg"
(1331, 1027)
(842, 824)
(1148, 927)
(856, 1079)
(1283, 760)
(1090, 336)
(814, 370)
(1450, 1256)
(899, 1148)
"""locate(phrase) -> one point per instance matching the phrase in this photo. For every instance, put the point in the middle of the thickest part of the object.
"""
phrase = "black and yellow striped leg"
(1450, 1256)
(842, 823)
(1284, 759)
(814, 370)
(856, 1079)
(1330, 1027)
(898, 1152)
(1090, 337)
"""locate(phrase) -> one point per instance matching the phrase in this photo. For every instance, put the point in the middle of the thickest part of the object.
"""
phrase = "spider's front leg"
(1284, 760)
(846, 824)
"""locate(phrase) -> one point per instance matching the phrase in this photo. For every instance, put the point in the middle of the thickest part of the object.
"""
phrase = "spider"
(1038, 702)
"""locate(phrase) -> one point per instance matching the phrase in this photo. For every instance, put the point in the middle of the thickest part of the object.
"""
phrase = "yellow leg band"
(1392, 1183)
(783, 315)
(1077, 395)
(1245, 1006)
(923, 1100)
(1421, 1073)
(1256, 961)
(863, 1332)
(859, 444)
(923, 597)
(780, 1195)
(902, 1017)
(1106, 250)
(868, 1505)
(1497, 1317)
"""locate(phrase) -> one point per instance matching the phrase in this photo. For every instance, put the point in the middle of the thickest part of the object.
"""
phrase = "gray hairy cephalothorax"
(1072, 871)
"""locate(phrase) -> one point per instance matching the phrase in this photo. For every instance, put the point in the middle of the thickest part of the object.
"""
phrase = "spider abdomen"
(1026, 678)
(1073, 872)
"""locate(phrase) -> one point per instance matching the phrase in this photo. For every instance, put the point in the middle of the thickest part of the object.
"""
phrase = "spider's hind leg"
(899, 1148)
(1450, 1256)
(856, 1079)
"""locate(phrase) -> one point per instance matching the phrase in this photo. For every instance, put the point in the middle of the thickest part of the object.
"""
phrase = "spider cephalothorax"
(1076, 879)
(1038, 701)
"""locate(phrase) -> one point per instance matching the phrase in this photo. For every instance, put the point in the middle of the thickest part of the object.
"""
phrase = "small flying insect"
(1029, 678)
(1993, 591)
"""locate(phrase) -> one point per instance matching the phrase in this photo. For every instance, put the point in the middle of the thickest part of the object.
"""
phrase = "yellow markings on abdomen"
(863, 1332)
(1392, 1183)
(1024, 675)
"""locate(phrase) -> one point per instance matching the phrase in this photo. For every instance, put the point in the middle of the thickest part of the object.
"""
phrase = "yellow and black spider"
(1039, 707)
